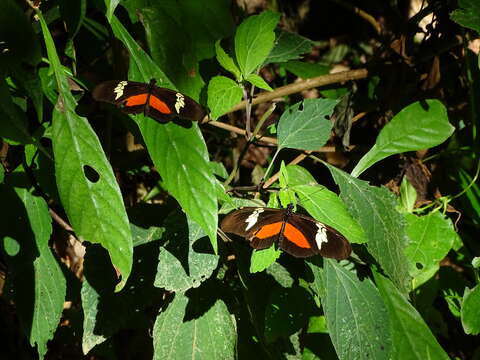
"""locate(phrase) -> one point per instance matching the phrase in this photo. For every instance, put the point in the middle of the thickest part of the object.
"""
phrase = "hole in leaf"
(91, 174)
(419, 266)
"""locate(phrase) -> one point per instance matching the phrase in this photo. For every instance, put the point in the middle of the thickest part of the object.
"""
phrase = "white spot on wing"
(321, 235)
(180, 103)
(119, 89)
(253, 218)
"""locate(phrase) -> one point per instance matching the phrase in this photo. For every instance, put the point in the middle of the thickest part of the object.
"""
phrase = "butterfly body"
(296, 234)
(160, 104)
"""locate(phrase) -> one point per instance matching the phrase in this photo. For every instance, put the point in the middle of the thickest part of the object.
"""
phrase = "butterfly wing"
(304, 236)
(249, 221)
(168, 103)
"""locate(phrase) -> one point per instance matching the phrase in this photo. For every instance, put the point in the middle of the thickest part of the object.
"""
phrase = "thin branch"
(304, 85)
(295, 161)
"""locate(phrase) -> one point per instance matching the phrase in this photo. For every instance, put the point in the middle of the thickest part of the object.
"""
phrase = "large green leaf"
(180, 265)
(86, 184)
(419, 126)
(254, 40)
(179, 154)
(210, 335)
(375, 209)
(356, 316)
(304, 125)
(50, 284)
(171, 47)
(411, 337)
(326, 207)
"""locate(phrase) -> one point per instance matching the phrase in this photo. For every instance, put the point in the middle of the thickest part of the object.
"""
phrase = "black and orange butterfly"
(296, 234)
(160, 104)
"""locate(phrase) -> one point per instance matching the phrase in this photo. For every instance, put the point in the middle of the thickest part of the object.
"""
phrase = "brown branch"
(58, 219)
(304, 85)
(293, 162)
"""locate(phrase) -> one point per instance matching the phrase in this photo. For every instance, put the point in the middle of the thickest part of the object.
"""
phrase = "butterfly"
(160, 104)
(296, 234)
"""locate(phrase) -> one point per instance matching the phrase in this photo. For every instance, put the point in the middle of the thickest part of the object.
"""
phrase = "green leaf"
(288, 46)
(306, 70)
(375, 209)
(211, 335)
(408, 195)
(431, 238)
(93, 203)
(471, 311)
(419, 126)
(102, 306)
(262, 259)
(14, 127)
(223, 94)
(356, 315)
(304, 125)
(326, 207)
(468, 14)
(180, 265)
(180, 154)
(288, 310)
(256, 80)
(226, 61)
(50, 285)
(298, 175)
(411, 337)
(171, 47)
(254, 40)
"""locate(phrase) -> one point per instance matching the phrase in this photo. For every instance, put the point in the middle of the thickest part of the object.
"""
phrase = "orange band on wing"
(159, 105)
(294, 235)
(136, 100)
(269, 230)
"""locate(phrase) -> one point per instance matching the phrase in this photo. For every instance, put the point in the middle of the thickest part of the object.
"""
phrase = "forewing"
(117, 91)
(247, 220)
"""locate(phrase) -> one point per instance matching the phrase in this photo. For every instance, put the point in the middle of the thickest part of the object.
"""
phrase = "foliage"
(109, 239)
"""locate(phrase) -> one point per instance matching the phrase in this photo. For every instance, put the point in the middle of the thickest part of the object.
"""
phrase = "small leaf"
(408, 195)
(471, 311)
(356, 316)
(14, 127)
(385, 228)
(431, 238)
(262, 259)
(211, 335)
(299, 176)
(288, 46)
(226, 61)
(304, 125)
(418, 126)
(254, 40)
(258, 82)
(306, 70)
(223, 94)
(411, 336)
